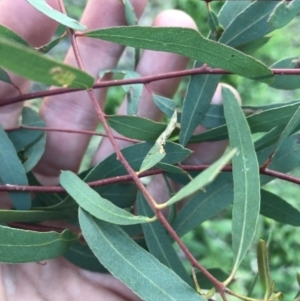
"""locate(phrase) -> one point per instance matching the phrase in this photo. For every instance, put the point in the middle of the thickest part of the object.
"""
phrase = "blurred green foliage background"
(211, 241)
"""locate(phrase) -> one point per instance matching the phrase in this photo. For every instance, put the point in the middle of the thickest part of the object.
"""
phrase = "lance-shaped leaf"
(189, 43)
(43, 7)
(287, 82)
(249, 24)
(283, 13)
(35, 66)
(8, 34)
(20, 246)
(12, 172)
(200, 91)
(92, 202)
(157, 152)
(245, 177)
(166, 105)
(263, 268)
(131, 264)
(159, 243)
(203, 179)
(136, 127)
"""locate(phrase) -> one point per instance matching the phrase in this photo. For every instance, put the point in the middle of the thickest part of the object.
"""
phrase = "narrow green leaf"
(263, 268)
(20, 246)
(43, 7)
(33, 216)
(130, 15)
(8, 34)
(133, 92)
(189, 43)
(12, 172)
(46, 48)
(258, 122)
(287, 82)
(200, 91)
(92, 202)
(81, 255)
(202, 180)
(40, 68)
(205, 283)
(292, 124)
(136, 127)
(249, 24)
(166, 105)
(214, 25)
(204, 205)
(131, 264)
(4, 77)
(245, 177)
(269, 138)
(230, 10)
(276, 208)
(173, 169)
(283, 13)
(214, 117)
(157, 152)
(159, 243)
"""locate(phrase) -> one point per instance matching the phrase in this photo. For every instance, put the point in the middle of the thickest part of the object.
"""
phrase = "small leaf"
(263, 268)
(276, 208)
(92, 202)
(130, 15)
(287, 82)
(159, 243)
(189, 43)
(4, 77)
(246, 202)
(12, 172)
(200, 91)
(249, 24)
(136, 127)
(33, 216)
(283, 13)
(43, 7)
(20, 246)
(46, 48)
(166, 105)
(214, 25)
(202, 180)
(40, 68)
(205, 283)
(134, 93)
(131, 264)
(157, 152)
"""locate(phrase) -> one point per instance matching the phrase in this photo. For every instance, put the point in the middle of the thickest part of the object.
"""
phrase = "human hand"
(58, 279)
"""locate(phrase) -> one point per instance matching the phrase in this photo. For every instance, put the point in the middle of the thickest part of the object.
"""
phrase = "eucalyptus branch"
(141, 80)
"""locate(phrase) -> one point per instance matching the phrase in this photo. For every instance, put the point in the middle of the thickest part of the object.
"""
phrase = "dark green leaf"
(159, 243)
(40, 68)
(269, 138)
(20, 246)
(8, 34)
(4, 77)
(214, 117)
(46, 48)
(258, 122)
(131, 264)
(33, 216)
(273, 206)
(204, 205)
(157, 152)
(81, 255)
(205, 283)
(245, 177)
(287, 82)
(251, 47)
(200, 91)
(189, 43)
(283, 13)
(166, 105)
(249, 24)
(12, 172)
(136, 127)
(214, 25)
(202, 180)
(43, 7)
(230, 10)
(92, 202)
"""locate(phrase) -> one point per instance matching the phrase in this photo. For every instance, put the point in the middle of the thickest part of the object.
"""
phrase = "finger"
(153, 62)
(76, 111)
(36, 29)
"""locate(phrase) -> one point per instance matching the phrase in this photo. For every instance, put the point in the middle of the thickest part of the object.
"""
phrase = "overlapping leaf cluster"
(136, 247)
